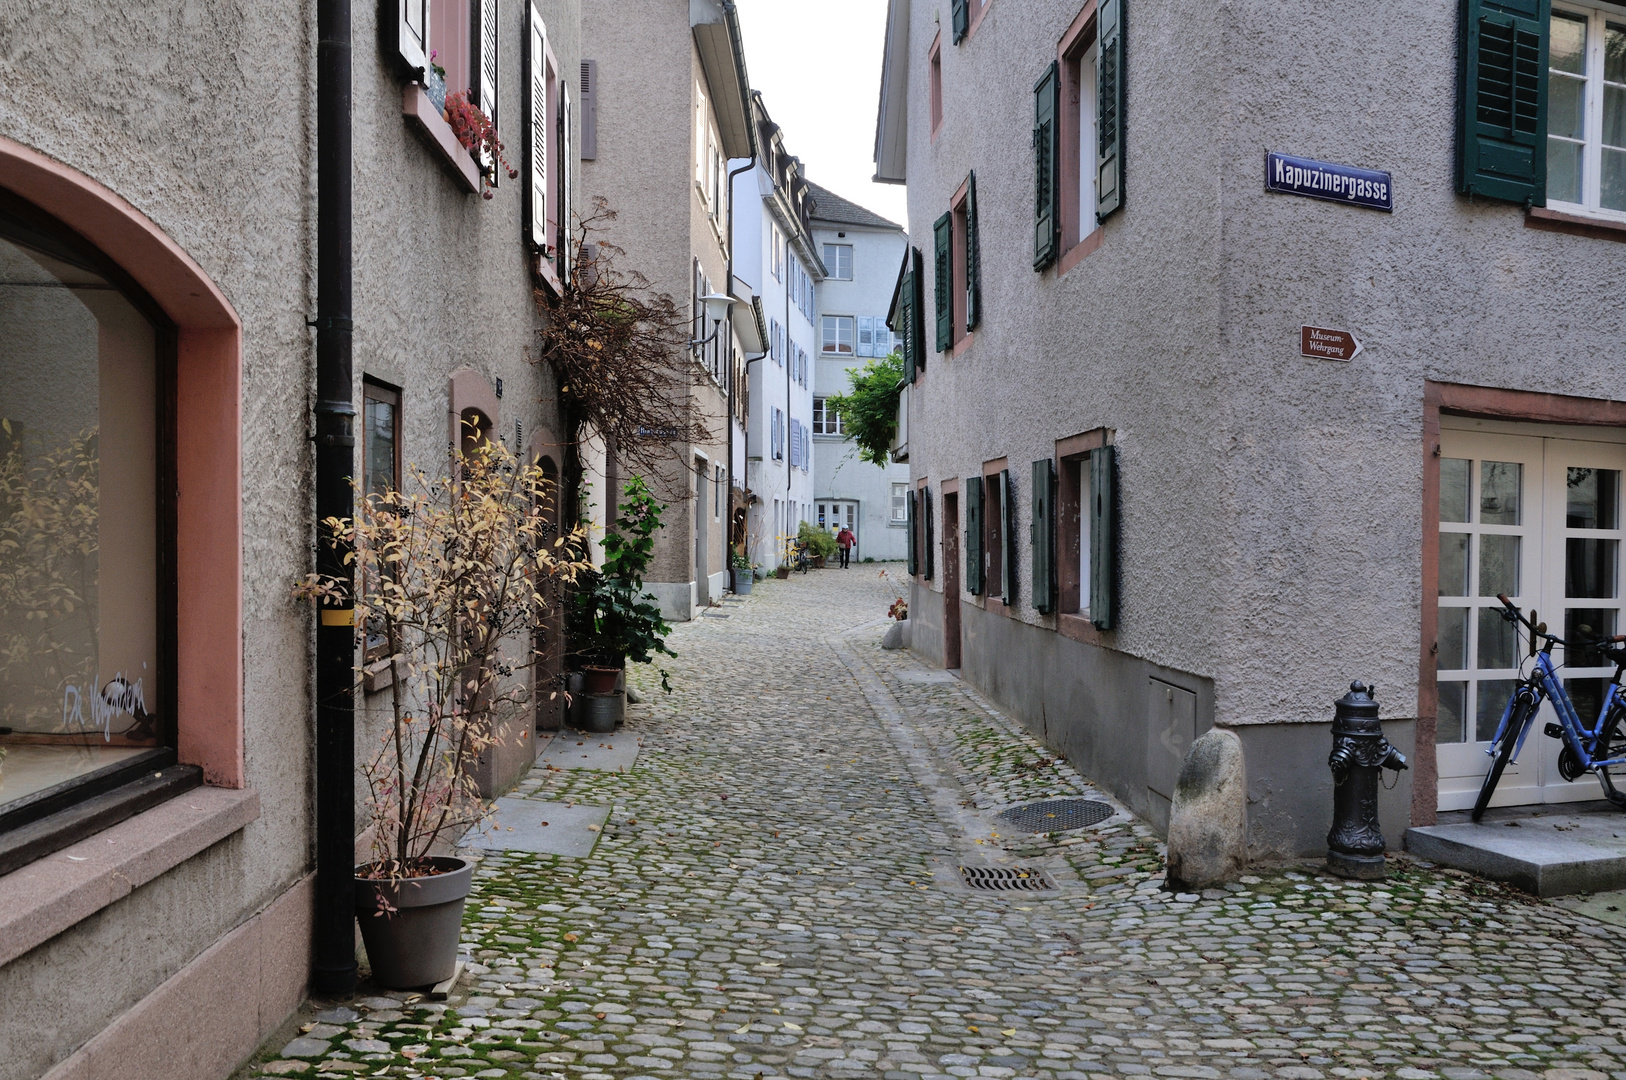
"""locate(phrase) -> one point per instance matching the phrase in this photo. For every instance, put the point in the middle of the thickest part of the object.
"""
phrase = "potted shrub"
(610, 619)
(820, 543)
(456, 576)
(744, 573)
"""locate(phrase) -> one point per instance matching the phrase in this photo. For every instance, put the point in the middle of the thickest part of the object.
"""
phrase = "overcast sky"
(818, 66)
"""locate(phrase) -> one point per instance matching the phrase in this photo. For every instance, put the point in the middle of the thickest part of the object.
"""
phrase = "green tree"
(869, 408)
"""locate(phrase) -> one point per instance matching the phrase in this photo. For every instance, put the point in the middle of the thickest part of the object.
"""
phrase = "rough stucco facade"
(202, 121)
(655, 95)
(1273, 538)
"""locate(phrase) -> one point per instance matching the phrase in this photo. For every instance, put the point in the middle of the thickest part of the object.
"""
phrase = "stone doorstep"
(1545, 851)
(519, 826)
(616, 752)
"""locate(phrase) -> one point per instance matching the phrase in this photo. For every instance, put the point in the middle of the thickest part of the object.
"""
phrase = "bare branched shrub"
(621, 353)
(458, 575)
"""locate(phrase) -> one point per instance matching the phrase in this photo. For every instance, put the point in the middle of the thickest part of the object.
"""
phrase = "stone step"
(1548, 850)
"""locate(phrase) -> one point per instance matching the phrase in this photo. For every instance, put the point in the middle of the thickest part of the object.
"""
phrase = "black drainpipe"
(334, 970)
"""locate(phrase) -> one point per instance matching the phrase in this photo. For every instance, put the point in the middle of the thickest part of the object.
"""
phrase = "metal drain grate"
(1006, 879)
(1057, 815)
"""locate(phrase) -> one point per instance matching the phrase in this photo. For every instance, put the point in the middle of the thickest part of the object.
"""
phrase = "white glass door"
(1538, 519)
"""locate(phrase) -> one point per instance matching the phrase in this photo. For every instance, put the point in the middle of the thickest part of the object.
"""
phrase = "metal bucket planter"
(599, 713)
(742, 582)
(416, 945)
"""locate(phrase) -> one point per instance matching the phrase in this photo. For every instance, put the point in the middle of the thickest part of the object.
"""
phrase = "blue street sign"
(1346, 184)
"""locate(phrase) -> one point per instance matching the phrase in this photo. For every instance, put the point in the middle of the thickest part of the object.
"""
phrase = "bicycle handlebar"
(1520, 617)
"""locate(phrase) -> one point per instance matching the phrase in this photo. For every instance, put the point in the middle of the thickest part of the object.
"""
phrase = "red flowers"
(479, 137)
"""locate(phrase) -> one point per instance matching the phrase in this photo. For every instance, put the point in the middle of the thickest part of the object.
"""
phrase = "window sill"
(1079, 628)
(962, 345)
(44, 898)
(1079, 251)
(420, 111)
(1539, 217)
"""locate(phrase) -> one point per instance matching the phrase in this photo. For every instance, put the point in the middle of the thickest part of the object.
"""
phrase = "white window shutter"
(485, 76)
(537, 128)
(565, 157)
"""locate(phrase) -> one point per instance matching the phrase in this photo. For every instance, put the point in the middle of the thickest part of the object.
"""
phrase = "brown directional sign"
(1325, 344)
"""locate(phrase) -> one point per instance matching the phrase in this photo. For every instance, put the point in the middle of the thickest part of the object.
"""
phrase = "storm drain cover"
(1006, 879)
(1057, 815)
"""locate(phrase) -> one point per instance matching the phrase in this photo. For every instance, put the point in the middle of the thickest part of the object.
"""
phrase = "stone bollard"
(1208, 820)
(1359, 754)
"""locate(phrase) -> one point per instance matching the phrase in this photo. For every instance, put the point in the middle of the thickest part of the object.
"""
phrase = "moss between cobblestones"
(761, 903)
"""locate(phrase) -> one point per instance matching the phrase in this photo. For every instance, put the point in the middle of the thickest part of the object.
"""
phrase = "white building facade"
(776, 260)
(861, 252)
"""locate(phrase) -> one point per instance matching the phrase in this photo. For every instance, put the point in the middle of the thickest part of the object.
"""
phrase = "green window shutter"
(926, 504)
(906, 316)
(909, 526)
(917, 328)
(1502, 100)
(1109, 108)
(973, 257)
(962, 19)
(1104, 537)
(1046, 222)
(973, 535)
(943, 283)
(1043, 536)
(1007, 536)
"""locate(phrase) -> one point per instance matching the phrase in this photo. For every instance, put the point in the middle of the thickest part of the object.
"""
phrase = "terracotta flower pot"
(781, 572)
(599, 680)
(416, 945)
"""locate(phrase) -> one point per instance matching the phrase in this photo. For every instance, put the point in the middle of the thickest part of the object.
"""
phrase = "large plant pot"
(599, 713)
(818, 562)
(781, 572)
(599, 680)
(417, 944)
(742, 582)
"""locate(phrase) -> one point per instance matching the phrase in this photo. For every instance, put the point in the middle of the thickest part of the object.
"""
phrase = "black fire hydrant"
(1359, 752)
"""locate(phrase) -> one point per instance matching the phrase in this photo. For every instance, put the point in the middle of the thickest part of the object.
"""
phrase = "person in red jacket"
(846, 541)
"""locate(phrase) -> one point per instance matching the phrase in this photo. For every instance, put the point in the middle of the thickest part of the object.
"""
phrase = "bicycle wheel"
(1502, 755)
(1612, 744)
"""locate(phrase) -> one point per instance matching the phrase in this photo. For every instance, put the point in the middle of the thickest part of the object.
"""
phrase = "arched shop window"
(86, 557)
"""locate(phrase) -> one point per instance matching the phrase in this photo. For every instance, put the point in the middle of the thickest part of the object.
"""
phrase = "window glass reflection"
(79, 679)
(1500, 486)
(1592, 499)
(1454, 488)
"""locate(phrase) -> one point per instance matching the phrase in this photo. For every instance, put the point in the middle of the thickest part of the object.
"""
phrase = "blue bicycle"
(1595, 749)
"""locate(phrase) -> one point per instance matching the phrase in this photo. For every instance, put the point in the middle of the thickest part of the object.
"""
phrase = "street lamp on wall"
(717, 306)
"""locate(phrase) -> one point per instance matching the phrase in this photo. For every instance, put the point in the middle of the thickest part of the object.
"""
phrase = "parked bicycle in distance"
(1596, 749)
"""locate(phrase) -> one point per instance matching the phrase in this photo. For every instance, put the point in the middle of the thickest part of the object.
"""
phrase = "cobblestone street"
(776, 893)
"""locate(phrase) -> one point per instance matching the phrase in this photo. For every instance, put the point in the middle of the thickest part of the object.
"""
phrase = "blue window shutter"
(943, 284)
(1502, 100)
(1109, 108)
(1104, 537)
(973, 535)
(1042, 536)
